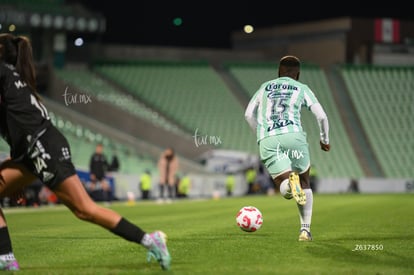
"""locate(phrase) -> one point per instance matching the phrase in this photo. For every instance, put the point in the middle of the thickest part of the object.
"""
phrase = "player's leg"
(288, 181)
(13, 178)
(171, 191)
(305, 211)
(290, 187)
(7, 259)
(72, 193)
(281, 182)
(161, 186)
(301, 163)
(295, 147)
(274, 153)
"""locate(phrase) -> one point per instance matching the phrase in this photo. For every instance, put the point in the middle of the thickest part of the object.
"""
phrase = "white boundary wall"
(367, 185)
(211, 185)
(202, 185)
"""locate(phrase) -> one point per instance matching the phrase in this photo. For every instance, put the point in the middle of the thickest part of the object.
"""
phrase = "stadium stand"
(189, 93)
(137, 154)
(83, 141)
(195, 81)
(383, 99)
(100, 89)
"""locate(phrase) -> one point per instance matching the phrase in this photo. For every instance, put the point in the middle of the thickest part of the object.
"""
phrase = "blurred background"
(140, 77)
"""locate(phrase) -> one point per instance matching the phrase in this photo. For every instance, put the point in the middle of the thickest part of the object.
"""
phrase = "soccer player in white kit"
(274, 113)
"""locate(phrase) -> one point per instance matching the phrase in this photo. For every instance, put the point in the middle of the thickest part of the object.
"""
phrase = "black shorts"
(49, 158)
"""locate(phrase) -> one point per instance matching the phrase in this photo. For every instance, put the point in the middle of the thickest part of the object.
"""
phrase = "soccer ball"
(249, 219)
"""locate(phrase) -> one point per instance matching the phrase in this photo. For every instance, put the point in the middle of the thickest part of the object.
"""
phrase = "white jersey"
(275, 108)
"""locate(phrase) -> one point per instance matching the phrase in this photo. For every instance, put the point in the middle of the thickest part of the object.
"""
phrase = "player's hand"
(325, 147)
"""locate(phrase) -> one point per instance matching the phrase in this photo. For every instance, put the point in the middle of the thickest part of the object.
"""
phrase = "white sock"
(305, 211)
(7, 257)
(285, 189)
(146, 241)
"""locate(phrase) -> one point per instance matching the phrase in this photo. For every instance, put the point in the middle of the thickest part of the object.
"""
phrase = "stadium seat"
(383, 98)
(190, 93)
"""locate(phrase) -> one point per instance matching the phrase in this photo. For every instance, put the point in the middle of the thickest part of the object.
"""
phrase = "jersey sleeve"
(309, 98)
(323, 123)
(251, 110)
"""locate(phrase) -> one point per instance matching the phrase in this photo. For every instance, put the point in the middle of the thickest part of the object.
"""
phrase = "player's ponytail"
(17, 51)
(24, 61)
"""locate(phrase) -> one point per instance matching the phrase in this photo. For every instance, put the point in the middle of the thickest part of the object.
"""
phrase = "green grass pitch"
(353, 234)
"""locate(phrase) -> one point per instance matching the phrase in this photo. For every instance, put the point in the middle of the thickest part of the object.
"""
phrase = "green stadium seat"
(100, 89)
(383, 98)
(190, 93)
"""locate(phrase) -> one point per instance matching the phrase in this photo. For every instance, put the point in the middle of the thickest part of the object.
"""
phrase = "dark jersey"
(22, 116)
(98, 166)
(26, 127)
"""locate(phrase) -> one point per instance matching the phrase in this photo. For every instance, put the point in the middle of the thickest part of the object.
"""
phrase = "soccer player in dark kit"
(39, 151)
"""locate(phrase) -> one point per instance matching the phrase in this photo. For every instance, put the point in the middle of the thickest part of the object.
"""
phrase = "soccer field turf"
(353, 234)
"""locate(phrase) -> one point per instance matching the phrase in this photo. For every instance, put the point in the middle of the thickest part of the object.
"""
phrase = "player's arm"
(323, 123)
(251, 112)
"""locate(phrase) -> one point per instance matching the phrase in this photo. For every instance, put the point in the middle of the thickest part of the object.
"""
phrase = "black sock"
(162, 191)
(5, 241)
(128, 231)
(170, 191)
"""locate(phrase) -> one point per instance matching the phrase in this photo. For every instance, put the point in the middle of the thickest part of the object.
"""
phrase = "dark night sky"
(210, 23)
